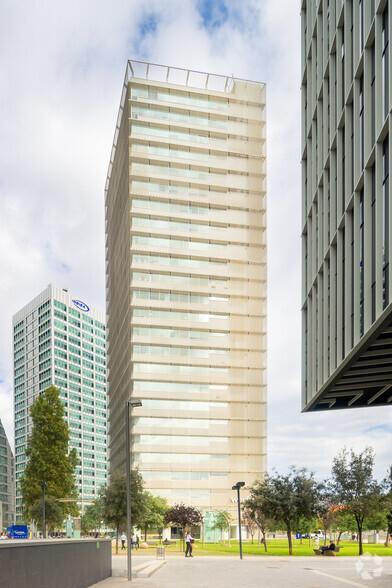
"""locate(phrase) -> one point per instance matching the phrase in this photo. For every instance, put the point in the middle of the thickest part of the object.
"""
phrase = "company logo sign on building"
(81, 305)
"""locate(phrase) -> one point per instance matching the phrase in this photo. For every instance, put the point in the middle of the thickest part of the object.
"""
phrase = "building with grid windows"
(186, 282)
(7, 482)
(61, 340)
(346, 130)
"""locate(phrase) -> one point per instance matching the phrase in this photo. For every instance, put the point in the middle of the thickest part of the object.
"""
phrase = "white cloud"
(62, 72)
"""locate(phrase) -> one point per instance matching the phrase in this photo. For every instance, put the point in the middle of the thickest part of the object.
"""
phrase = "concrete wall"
(42, 564)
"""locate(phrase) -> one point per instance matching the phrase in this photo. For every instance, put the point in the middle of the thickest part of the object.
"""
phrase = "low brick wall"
(68, 563)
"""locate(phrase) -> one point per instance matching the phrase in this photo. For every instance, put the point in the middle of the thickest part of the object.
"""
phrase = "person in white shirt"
(123, 539)
(189, 540)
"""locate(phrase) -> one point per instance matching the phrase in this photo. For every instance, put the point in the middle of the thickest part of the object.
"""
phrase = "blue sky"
(63, 66)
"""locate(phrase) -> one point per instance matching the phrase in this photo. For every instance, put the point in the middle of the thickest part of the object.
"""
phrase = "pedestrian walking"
(123, 539)
(189, 540)
(137, 542)
(133, 541)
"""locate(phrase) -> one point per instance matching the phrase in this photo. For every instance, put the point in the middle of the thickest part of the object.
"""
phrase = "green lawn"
(274, 547)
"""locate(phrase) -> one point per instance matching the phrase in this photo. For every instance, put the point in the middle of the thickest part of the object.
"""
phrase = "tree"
(286, 498)
(154, 512)
(50, 459)
(221, 523)
(388, 496)
(306, 525)
(92, 517)
(114, 501)
(249, 523)
(354, 486)
(184, 517)
(54, 515)
(326, 510)
(254, 506)
(343, 521)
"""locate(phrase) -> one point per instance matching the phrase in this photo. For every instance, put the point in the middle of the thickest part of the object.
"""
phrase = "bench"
(328, 552)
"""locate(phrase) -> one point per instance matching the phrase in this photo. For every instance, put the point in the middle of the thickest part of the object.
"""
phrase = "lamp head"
(238, 485)
(135, 402)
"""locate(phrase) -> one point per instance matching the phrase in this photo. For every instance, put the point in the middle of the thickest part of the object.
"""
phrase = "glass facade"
(186, 285)
(7, 482)
(59, 341)
(346, 212)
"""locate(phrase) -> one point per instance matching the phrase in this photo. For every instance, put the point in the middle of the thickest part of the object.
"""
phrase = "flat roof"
(182, 77)
(168, 74)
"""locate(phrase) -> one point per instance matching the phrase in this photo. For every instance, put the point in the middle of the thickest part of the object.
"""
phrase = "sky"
(63, 66)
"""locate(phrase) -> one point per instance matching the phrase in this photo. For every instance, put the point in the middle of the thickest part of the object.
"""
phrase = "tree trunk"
(117, 540)
(387, 540)
(145, 533)
(290, 541)
(339, 535)
(360, 540)
(265, 541)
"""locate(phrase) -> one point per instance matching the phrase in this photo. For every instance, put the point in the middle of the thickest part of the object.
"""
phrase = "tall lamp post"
(237, 487)
(43, 486)
(130, 403)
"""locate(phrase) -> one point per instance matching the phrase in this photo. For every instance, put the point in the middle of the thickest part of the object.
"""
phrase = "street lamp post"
(132, 404)
(237, 487)
(43, 486)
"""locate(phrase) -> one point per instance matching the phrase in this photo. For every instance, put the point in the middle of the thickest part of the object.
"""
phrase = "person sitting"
(330, 547)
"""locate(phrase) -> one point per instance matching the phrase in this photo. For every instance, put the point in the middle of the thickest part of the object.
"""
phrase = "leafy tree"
(388, 496)
(154, 512)
(54, 515)
(221, 523)
(354, 486)
(306, 525)
(254, 506)
(92, 517)
(287, 498)
(114, 501)
(389, 528)
(343, 521)
(50, 459)
(184, 517)
(326, 511)
(249, 522)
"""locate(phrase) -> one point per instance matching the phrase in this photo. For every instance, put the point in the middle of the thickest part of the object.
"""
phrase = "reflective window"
(153, 186)
(170, 169)
(189, 280)
(177, 333)
(188, 98)
(182, 404)
(176, 422)
(164, 368)
(174, 225)
(165, 440)
(176, 296)
(176, 152)
(156, 131)
(178, 457)
(173, 206)
(175, 243)
(176, 261)
(141, 385)
(170, 114)
(177, 351)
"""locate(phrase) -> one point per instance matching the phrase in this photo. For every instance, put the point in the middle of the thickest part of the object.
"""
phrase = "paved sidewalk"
(265, 572)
